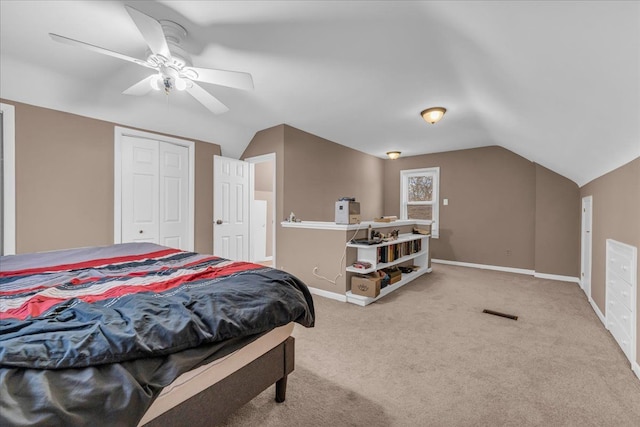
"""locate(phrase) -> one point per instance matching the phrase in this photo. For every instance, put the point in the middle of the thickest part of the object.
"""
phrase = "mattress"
(193, 382)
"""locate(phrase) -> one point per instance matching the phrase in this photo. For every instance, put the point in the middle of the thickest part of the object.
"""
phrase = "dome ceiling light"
(433, 115)
(393, 154)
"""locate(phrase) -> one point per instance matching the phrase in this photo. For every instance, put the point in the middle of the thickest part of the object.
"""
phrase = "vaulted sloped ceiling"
(557, 82)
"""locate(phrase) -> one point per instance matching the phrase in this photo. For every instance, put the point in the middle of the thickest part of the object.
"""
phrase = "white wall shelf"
(406, 278)
(321, 225)
(382, 265)
(369, 253)
(401, 239)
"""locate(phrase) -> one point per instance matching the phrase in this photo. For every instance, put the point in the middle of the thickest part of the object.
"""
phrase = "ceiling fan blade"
(235, 79)
(143, 87)
(206, 99)
(72, 42)
(151, 31)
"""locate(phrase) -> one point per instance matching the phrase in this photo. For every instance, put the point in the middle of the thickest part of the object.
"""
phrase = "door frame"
(271, 157)
(9, 179)
(120, 133)
(584, 238)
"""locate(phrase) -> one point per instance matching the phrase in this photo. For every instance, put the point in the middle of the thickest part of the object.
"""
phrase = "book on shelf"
(396, 251)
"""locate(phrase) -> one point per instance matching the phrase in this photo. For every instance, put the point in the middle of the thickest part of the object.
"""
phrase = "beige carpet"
(426, 355)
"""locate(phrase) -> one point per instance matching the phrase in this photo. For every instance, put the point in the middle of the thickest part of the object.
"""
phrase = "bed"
(142, 334)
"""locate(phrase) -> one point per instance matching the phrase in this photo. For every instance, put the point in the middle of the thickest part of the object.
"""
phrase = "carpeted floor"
(426, 355)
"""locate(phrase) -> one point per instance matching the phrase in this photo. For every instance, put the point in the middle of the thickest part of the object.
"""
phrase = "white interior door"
(140, 203)
(174, 195)
(259, 230)
(231, 208)
(585, 264)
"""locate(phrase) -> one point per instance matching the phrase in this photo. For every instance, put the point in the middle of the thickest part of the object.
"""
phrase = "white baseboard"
(636, 369)
(510, 270)
(598, 312)
(327, 294)
(484, 266)
(558, 277)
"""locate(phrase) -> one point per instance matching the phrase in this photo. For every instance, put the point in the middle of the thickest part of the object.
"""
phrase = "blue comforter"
(92, 336)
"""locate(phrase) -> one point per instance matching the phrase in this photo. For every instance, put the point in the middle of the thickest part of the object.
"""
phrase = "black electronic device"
(365, 241)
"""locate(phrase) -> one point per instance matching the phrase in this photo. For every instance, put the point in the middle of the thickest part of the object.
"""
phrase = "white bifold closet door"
(155, 190)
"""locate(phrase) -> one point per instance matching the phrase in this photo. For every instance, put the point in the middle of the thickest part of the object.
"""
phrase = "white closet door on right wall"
(622, 285)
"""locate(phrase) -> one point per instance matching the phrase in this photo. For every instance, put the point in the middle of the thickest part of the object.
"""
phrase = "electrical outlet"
(508, 252)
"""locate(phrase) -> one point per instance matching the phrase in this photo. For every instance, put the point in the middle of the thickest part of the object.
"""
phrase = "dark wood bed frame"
(217, 402)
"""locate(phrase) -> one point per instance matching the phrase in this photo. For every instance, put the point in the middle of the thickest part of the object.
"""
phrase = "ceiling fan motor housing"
(180, 58)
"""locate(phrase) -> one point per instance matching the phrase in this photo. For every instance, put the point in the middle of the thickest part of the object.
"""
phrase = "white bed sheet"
(193, 382)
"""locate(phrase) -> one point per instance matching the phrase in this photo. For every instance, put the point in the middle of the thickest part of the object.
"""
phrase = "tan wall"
(491, 209)
(204, 196)
(319, 172)
(557, 230)
(64, 182)
(304, 249)
(616, 215)
(312, 173)
(264, 176)
(503, 209)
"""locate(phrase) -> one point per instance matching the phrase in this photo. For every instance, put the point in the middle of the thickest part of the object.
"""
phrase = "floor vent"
(497, 313)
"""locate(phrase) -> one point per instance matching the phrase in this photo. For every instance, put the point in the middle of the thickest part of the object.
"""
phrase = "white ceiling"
(556, 82)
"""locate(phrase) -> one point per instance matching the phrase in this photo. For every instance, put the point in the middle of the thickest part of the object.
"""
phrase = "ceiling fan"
(171, 62)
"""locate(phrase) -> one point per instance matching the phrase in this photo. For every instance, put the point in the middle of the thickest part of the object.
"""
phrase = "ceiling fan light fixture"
(433, 115)
(157, 83)
(180, 83)
(393, 155)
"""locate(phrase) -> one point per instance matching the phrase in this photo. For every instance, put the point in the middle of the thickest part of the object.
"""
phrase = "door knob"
(219, 222)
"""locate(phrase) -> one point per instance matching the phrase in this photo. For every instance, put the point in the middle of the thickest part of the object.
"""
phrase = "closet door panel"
(140, 219)
(174, 195)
